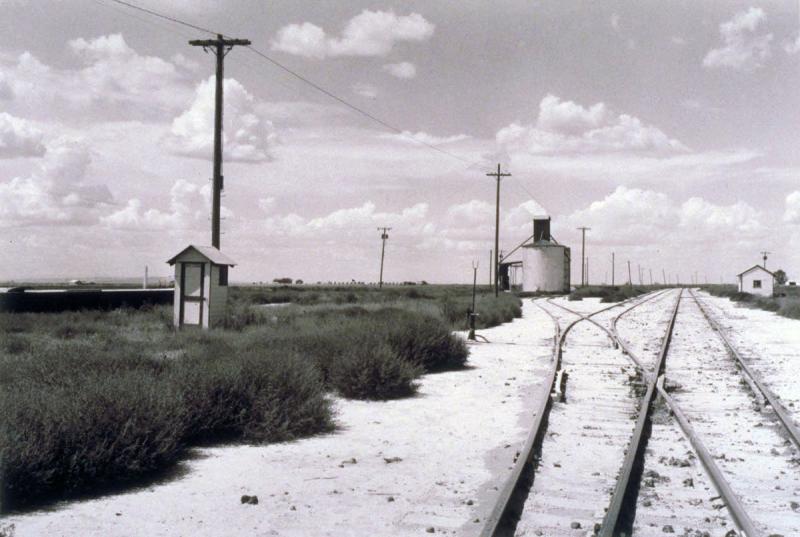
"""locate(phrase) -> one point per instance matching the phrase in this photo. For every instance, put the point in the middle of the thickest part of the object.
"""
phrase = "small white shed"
(757, 281)
(201, 286)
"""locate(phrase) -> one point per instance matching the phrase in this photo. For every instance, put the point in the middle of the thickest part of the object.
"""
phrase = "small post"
(472, 313)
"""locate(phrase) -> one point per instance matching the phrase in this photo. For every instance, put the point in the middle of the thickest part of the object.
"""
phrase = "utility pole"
(384, 236)
(613, 268)
(664, 277)
(651, 276)
(583, 231)
(490, 267)
(498, 174)
(765, 254)
(630, 281)
(220, 47)
(587, 271)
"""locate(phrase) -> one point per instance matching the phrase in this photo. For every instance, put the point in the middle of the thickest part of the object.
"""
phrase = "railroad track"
(506, 515)
(710, 439)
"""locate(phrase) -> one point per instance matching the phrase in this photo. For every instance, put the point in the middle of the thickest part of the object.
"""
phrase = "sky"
(670, 128)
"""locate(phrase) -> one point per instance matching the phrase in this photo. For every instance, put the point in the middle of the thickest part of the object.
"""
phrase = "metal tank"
(545, 263)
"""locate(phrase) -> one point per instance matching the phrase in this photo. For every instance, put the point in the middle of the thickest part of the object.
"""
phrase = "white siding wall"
(217, 297)
(543, 269)
(746, 283)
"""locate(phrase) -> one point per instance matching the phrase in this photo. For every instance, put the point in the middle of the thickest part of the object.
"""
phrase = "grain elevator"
(545, 263)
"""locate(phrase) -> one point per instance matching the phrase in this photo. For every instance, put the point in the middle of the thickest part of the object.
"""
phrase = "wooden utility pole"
(587, 271)
(220, 47)
(497, 175)
(664, 277)
(583, 254)
(630, 281)
(384, 237)
(765, 254)
(651, 276)
(490, 267)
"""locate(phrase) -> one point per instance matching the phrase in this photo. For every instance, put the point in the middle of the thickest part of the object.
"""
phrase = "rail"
(512, 489)
(755, 382)
(626, 489)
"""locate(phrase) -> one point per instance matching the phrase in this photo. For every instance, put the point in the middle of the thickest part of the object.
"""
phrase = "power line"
(303, 79)
(163, 16)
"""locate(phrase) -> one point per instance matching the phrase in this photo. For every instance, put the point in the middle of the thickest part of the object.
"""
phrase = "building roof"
(755, 267)
(209, 252)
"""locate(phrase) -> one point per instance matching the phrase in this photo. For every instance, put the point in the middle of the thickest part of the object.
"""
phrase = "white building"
(757, 281)
(201, 286)
(545, 263)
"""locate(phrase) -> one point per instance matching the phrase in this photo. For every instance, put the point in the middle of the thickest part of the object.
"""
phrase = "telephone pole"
(498, 175)
(651, 276)
(490, 267)
(220, 47)
(630, 282)
(664, 277)
(583, 254)
(384, 236)
(765, 254)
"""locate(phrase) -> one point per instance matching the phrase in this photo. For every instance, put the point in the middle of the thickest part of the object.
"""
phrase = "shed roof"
(755, 267)
(209, 252)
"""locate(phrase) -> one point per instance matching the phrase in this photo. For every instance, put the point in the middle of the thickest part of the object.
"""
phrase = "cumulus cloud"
(365, 90)
(568, 127)
(113, 81)
(424, 137)
(371, 33)
(19, 138)
(57, 192)
(189, 206)
(636, 216)
(792, 213)
(401, 70)
(248, 136)
(348, 222)
(465, 227)
(792, 47)
(744, 48)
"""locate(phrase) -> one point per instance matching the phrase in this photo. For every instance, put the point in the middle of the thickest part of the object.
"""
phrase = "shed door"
(192, 293)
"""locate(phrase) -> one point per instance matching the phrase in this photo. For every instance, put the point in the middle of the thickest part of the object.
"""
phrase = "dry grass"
(96, 399)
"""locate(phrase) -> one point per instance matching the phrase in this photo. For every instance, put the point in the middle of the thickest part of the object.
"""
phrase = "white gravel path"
(455, 443)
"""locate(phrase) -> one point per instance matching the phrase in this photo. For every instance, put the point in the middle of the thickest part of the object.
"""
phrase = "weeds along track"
(564, 477)
(723, 413)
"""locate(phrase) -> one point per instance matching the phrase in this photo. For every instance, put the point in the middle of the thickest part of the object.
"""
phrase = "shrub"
(427, 342)
(368, 371)
(92, 430)
(251, 396)
(790, 309)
